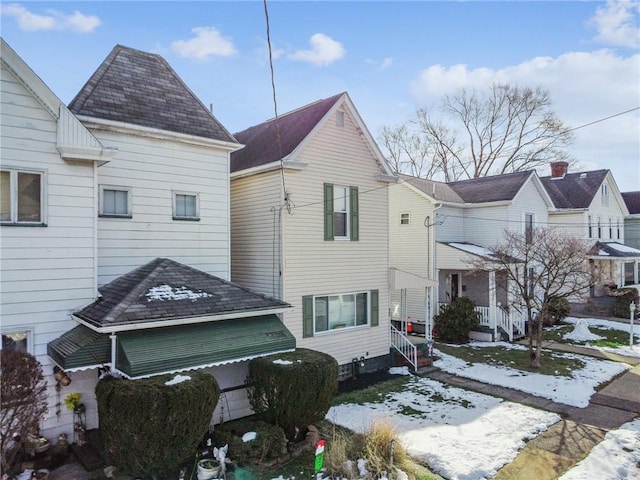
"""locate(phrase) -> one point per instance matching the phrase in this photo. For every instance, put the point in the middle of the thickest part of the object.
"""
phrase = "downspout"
(96, 195)
(430, 301)
(113, 338)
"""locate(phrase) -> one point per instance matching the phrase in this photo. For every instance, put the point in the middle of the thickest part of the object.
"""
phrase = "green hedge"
(624, 297)
(455, 321)
(148, 427)
(294, 389)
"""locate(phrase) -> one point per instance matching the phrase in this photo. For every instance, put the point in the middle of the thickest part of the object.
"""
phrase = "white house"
(309, 225)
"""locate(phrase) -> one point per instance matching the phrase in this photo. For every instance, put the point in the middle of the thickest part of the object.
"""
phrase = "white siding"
(313, 266)
(451, 225)
(574, 223)
(47, 271)
(154, 169)
(255, 232)
(411, 247)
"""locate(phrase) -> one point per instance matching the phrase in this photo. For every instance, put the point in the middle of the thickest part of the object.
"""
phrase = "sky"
(392, 57)
(465, 435)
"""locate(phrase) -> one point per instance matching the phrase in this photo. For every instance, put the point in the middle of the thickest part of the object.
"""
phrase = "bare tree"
(506, 129)
(542, 265)
(22, 403)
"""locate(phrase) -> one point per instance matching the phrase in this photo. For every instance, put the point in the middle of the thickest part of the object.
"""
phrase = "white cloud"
(206, 42)
(617, 23)
(386, 63)
(53, 20)
(584, 87)
(324, 51)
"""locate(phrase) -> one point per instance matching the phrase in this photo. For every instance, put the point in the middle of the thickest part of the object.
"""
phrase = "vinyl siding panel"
(452, 226)
(255, 232)
(528, 200)
(153, 169)
(313, 266)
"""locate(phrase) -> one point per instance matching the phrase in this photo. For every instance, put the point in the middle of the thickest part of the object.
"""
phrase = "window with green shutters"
(325, 313)
(341, 212)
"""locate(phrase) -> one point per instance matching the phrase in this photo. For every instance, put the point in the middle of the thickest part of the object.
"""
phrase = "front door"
(455, 286)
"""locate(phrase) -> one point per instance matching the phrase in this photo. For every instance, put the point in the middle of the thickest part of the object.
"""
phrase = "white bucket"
(208, 469)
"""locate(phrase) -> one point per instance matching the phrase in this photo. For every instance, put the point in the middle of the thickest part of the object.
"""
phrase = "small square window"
(340, 119)
(115, 201)
(404, 219)
(185, 206)
(21, 197)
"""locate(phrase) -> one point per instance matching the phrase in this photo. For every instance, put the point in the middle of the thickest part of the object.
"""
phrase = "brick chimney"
(559, 169)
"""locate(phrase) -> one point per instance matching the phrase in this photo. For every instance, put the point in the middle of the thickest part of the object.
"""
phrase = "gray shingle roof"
(613, 249)
(262, 145)
(165, 290)
(632, 201)
(574, 190)
(494, 188)
(141, 88)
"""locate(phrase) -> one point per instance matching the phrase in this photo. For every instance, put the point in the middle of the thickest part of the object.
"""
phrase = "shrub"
(292, 389)
(456, 320)
(22, 402)
(624, 298)
(269, 444)
(558, 309)
(148, 426)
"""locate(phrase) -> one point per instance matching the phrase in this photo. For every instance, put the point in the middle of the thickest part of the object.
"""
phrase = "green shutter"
(374, 308)
(307, 316)
(353, 212)
(328, 211)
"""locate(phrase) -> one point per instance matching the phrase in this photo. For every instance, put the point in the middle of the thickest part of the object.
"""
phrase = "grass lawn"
(612, 338)
(552, 363)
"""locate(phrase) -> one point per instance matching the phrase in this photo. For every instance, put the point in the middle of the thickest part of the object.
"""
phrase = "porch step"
(423, 361)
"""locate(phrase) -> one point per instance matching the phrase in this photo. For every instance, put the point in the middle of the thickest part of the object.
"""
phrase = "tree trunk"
(535, 355)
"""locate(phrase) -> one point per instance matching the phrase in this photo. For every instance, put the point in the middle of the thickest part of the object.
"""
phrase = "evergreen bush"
(624, 298)
(292, 390)
(558, 309)
(456, 320)
(150, 426)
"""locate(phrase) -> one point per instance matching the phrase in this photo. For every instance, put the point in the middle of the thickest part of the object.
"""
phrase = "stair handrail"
(404, 346)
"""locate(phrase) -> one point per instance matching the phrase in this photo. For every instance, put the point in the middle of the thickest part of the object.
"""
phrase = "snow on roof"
(167, 292)
(621, 247)
(475, 249)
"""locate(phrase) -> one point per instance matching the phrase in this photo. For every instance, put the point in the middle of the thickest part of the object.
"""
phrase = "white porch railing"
(511, 321)
(402, 344)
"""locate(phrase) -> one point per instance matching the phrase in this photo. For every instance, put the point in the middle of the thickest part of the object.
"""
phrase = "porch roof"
(610, 250)
(144, 353)
(399, 279)
(456, 255)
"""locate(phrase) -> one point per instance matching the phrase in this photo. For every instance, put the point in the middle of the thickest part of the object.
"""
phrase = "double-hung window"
(404, 218)
(185, 206)
(22, 194)
(326, 313)
(528, 227)
(590, 227)
(17, 340)
(341, 212)
(604, 192)
(115, 201)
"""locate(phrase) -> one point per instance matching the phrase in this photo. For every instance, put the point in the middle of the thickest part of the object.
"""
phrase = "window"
(115, 201)
(340, 212)
(340, 119)
(618, 228)
(404, 219)
(21, 197)
(590, 227)
(604, 196)
(17, 340)
(610, 228)
(528, 227)
(599, 228)
(185, 206)
(326, 313)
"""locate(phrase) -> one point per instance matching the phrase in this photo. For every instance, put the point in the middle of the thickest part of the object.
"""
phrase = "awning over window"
(142, 353)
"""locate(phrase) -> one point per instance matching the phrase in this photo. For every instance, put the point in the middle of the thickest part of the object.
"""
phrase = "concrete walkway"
(567, 442)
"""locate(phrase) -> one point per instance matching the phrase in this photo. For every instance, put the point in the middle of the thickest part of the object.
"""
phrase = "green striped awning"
(148, 352)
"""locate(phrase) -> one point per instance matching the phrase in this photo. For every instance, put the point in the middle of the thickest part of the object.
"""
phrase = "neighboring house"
(464, 219)
(632, 221)
(48, 210)
(150, 228)
(590, 206)
(309, 225)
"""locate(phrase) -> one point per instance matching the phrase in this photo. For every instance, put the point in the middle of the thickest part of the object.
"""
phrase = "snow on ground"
(629, 351)
(462, 435)
(616, 457)
(575, 390)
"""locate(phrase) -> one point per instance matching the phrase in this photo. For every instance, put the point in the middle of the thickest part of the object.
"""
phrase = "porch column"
(113, 338)
(492, 303)
(636, 267)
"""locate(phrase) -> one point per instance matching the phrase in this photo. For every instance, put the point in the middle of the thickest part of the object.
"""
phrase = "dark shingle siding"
(141, 88)
(270, 141)
(124, 300)
(574, 190)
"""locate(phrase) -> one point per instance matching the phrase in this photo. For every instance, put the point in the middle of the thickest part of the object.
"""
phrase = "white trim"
(347, 327)
(174, 199)
(125, 327)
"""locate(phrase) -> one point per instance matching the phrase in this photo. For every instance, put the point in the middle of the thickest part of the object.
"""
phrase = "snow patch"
(177, 379)
(247, 437)
(581, 332)
(167, 292)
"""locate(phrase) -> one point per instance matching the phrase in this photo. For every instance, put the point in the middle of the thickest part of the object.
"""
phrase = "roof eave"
(126, 327)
